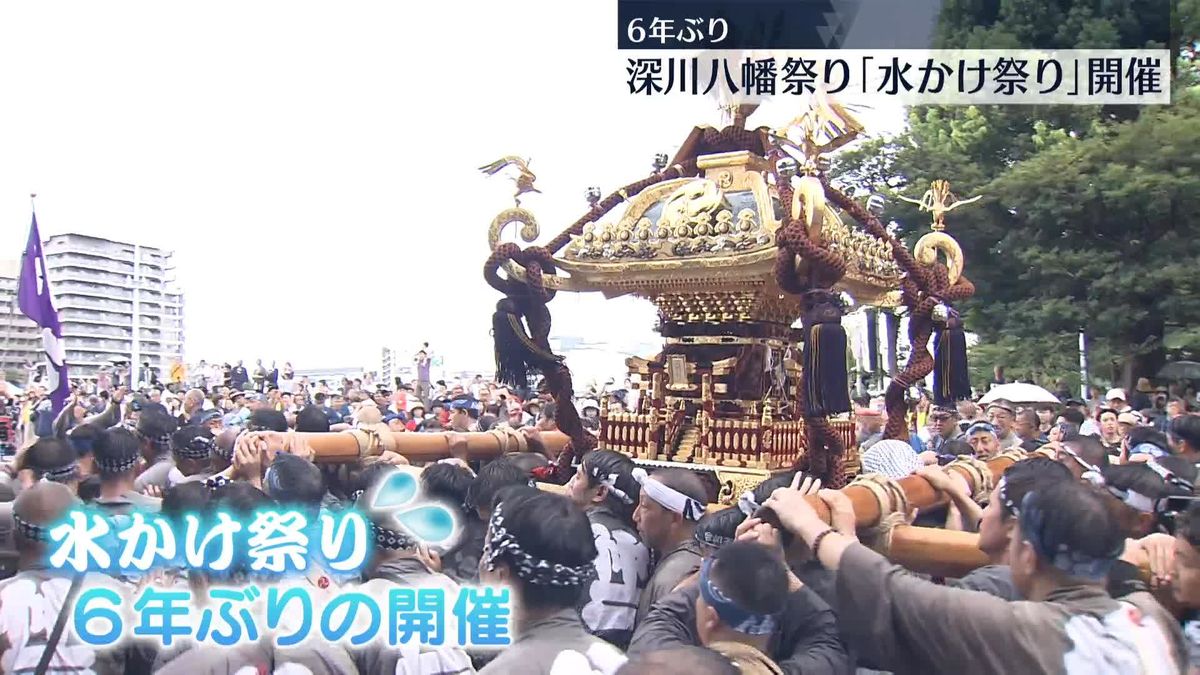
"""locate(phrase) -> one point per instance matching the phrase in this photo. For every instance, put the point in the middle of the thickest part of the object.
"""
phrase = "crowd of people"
(1093, 534)
(473, 405)
(971, 428)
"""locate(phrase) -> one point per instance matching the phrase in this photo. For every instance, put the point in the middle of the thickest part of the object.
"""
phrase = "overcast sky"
(313, 164)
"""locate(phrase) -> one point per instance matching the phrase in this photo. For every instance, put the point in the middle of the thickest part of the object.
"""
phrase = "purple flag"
(33, 295)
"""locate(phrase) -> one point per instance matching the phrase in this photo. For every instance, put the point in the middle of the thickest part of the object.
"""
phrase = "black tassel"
(512, 365)
(951, 378)
(826, 380)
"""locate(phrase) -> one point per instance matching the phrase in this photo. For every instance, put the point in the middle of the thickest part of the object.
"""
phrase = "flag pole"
(11, 323)
(36, 302)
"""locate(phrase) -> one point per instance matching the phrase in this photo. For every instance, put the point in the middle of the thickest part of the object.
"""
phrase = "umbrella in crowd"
(1020, 392)
(1180, 370)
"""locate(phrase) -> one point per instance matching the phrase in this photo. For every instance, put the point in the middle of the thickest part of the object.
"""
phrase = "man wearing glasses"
(943, 427)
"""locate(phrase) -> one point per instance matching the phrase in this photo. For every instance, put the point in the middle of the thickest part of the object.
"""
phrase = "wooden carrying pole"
(929, 550)
(920, 494)
(348, 446)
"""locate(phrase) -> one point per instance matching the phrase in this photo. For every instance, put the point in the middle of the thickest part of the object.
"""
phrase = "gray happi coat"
(680, 563)
(610, 602)
(544, 646)
(909, 625)
(413, 659)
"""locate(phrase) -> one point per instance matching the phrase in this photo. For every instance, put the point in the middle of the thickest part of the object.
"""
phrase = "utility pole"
(1083, 366)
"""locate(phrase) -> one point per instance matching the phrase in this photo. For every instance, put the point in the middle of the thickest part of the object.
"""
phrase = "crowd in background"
(1093, 534)
(1116, 420)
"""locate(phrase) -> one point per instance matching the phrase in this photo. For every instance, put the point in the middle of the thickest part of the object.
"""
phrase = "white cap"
(1131, 418)
(892, 458)
(1115, 394)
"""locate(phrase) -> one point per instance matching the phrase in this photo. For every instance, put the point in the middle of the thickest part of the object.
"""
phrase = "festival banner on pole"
(36, 302)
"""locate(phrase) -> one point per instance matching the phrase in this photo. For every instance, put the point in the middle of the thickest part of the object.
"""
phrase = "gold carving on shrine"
(699, 242)
(939, 200)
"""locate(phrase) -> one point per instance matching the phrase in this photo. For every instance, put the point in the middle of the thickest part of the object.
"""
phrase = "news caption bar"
(910, 76)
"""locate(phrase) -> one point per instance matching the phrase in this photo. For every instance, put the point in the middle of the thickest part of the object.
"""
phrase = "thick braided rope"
(730, 138)
(542, 254)
(825, 452)
(887, 492)
(922, 289)
(980, 474)
(893, 509)
(532, 295)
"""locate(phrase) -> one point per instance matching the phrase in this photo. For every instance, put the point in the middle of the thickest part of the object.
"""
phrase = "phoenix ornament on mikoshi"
(524, 178)
(938, 200)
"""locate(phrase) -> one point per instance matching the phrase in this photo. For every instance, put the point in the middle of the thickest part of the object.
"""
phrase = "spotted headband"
(199, 447)
(1059, 554)
(667, 497)
(161, 443)
(393, 540)
(531, 570)
(31, 531)
(115, 465)
(63, 474)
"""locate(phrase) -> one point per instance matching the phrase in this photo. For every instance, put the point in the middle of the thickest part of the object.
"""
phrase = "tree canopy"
(1091, 215)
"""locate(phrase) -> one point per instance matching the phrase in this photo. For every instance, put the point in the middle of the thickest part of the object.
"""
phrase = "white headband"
(610, 482)
(1137, 501)
(667, 497)
(747, 504)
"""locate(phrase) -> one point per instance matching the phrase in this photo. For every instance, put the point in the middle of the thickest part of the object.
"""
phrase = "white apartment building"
(389, 364)
(116, 301)
(20, 339)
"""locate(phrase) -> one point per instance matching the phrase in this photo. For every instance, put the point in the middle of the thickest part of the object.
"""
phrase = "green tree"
(1101, 233)
(1089, 219)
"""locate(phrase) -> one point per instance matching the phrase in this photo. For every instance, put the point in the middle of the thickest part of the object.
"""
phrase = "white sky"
(313, 164)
